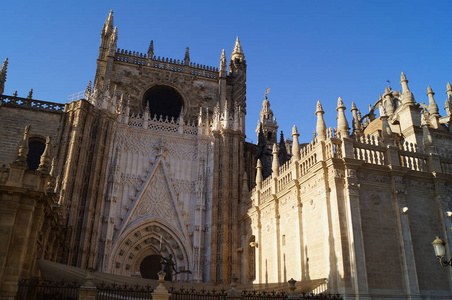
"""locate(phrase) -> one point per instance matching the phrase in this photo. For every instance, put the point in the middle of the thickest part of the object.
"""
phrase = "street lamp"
(440, 251)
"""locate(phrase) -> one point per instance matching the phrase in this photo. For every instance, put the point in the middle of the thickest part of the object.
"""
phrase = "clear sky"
(303, 50)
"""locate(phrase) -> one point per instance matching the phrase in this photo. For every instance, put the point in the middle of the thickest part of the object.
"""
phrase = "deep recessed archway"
(150, 266)
(163, 100)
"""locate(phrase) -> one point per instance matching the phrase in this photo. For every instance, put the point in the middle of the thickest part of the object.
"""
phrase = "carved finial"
(44, 165)
(342, 124)
(187, 56)
(448, 86)
(321, 126)
(402, 77)
(275, 161)
(23, 147)
(407, 97)
(259, 177)
(151, 49)
(432, 106)
(30, 94)
(449, 92)
(3, 71)
(295, 143)
(15, 94)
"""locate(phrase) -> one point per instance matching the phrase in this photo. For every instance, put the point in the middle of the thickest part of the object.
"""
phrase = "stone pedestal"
(160, 292)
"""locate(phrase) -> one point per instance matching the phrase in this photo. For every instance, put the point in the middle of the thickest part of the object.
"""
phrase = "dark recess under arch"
(163, 100)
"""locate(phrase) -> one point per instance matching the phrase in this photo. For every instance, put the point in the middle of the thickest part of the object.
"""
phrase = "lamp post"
(440, 251)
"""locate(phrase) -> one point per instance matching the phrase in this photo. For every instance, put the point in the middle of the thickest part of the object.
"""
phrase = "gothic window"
(36, 147)
(163, 100)
(252, 258)
(269, 136)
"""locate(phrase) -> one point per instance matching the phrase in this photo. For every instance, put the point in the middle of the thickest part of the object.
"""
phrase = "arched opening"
(269, 136)
(150, 266)
(163, 100)
(36, 147)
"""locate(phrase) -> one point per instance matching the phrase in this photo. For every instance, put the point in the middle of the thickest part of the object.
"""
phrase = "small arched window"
(36, 146)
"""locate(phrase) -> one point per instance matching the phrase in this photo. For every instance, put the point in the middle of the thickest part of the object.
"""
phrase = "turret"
(407, 96)
(342, 124)
(295, 144)
(107, 50)
(268, 121)
(321, 126)
(237, 63)
(427, 139)
(3, 71)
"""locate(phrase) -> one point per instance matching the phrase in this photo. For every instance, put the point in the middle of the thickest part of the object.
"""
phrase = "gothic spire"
(30, 94)
(295, 144)
(449, 92)
(321, 126)
(237, 52)
(3, 71)
(432, 106)
(407, 96)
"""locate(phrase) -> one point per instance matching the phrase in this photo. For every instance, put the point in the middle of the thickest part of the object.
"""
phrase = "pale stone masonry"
(153, 162)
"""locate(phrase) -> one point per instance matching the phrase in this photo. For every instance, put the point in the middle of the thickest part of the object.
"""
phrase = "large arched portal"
(163, 100)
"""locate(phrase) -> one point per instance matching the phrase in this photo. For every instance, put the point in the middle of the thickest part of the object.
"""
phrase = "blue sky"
(303, 50)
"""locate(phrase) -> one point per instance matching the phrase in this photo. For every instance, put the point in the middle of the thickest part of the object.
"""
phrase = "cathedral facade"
(152, 161)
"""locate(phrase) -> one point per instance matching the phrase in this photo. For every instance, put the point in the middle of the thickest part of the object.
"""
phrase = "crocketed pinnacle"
(432, 106)
(108, 25)
(237, 52)
(4, 67)
(223, 64)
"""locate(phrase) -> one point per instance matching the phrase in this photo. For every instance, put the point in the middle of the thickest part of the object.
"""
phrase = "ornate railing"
(193, 294)
(126, 292)
(46, 289)
(14, 101)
